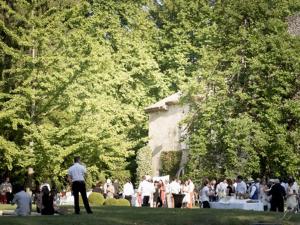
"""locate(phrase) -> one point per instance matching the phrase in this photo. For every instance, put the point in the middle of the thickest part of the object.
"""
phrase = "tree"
(144, 165)
(247, 83)
(85, 87)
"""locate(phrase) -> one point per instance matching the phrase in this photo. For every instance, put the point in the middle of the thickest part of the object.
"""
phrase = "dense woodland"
(76, 76)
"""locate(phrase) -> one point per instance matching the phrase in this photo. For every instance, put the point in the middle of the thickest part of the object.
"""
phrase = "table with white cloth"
(233, 203)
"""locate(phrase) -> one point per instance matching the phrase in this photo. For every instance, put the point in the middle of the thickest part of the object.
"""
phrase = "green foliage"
(170, 162)
(71, 85)
(76, 76)
(94, 176)
(116, 202)
(241, 119)
(96, 199)
(144, 162)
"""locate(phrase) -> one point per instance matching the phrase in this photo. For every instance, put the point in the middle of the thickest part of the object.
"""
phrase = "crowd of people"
(150, 192)
(275, 195)
(272, 193)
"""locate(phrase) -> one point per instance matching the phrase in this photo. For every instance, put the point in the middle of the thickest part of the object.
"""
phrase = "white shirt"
(175, 187)
(241, 187)
(234, 186)
(168, 188)
(191, 187)
(128, 189)
(295, 187)
(221, 189)
(204, 194)
(23, 201)
(77, 172)
(285, 186)
(146, 188)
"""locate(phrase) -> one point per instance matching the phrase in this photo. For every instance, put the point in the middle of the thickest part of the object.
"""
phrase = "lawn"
(149, 216)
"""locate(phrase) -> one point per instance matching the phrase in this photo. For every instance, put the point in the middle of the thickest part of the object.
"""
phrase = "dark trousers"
(277, 204)
(128, 197)
(9, 197)
(79, 186)
(146, 201)
(158, 202)
(205, 204)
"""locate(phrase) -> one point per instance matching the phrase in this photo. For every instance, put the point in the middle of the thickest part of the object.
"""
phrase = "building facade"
(165, 131)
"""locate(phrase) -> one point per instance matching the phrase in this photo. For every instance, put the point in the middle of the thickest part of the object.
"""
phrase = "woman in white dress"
(221, 189)
(264, 198)
(185, 191)
(291, 200)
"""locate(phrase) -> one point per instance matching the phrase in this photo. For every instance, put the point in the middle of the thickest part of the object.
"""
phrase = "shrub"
(170, 162)
(96, 198)
(123, 202)
(110, 201)
(116, 202)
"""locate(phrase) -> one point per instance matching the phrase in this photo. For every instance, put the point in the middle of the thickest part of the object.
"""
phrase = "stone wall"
(294, 24)
(165, 133)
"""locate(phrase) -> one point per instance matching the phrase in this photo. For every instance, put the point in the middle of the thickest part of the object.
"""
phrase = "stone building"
(294, 24)
(165, 131)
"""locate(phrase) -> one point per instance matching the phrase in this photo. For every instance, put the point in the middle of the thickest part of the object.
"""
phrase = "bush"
(123, 202)
(95, 199)
(116, 202)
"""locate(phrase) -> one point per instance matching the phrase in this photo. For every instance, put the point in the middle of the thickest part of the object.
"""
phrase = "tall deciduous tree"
(245, 109)
(90, 71)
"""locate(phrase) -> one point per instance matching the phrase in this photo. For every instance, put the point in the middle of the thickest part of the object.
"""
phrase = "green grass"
(7, 207)
(149, 216)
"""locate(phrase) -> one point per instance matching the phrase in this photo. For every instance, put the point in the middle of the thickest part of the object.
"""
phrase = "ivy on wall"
(170, 162)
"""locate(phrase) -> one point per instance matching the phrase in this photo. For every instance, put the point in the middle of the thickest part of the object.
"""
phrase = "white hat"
(274, 180)
(108, 181)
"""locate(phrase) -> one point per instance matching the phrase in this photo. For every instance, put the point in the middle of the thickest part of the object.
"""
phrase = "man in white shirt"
(174, 189)
(23, 201)
(76, 175)
(146, 189)
(128, 191)
(241, 187)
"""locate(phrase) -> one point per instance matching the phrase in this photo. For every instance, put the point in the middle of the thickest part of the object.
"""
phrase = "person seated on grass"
(47, 202)
(23, 201)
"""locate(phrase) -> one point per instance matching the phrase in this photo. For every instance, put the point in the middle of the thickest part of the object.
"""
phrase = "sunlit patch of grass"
(7, 207)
